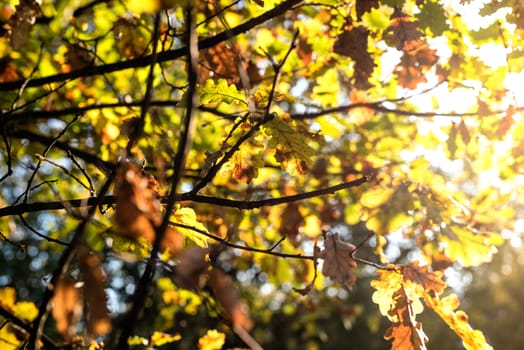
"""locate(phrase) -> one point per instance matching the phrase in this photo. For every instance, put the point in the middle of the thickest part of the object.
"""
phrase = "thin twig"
(268, 251)
(42, 158)
(367, 262)
(41, 235)
(60, 134)
(63, 264)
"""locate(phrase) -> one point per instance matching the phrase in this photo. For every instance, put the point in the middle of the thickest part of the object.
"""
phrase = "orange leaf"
(428, 280)
(407, 333)
(67, 307)
(138, 208)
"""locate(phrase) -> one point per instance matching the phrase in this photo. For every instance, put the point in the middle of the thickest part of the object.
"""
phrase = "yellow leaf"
(213, 340)
(140, 6)
(187, 217)
(159, 338)
(458, 321)
(26, 310)
(376, 197)
(8, 298)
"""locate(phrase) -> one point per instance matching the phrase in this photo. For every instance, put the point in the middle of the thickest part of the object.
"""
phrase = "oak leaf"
(430, 281)
(338, 264)
(292, 220)
(364, 6)
(290, 142)
(401, 30)
(457, 321)
(213, 340)
(353, 43)
(130, 39)
(407, 333)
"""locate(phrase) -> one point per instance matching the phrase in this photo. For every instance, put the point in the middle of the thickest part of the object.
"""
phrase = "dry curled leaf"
(98, 321)
(67, 307)
(338, 264)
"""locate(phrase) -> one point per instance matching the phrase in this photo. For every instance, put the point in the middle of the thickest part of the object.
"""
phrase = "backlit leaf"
(291, 145)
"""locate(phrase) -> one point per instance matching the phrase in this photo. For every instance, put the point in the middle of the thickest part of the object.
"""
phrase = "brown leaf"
(7, 70)
(291, 222)
(413, 64)
(21, 23)
(67, 307)
(506, 122)
(338, 264)
(225, 61)
(98, 321)
(138, 208)
(243, 169)
(353, 43)
(130, 40)
(407, 333)
(192, 266)
(304, 50)
(228, 296)
(401, 30)
(421, 275)
(464, 132)
(77, 57)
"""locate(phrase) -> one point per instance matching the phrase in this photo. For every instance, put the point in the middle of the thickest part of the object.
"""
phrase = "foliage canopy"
(186, 173)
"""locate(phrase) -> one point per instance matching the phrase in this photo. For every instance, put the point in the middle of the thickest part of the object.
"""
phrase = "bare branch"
(230, 203)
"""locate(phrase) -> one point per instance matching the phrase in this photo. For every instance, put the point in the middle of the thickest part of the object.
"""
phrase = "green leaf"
(432, 16)
(291, 145)
(221, 92)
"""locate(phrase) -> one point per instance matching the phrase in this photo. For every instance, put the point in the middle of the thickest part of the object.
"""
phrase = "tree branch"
(162, 57)
(178, 167)
(22, 208)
